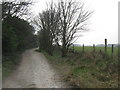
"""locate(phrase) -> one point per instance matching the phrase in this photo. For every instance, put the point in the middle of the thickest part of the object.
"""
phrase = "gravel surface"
(34, 72)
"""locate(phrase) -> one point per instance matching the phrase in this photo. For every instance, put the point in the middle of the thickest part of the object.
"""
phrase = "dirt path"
(33, 72)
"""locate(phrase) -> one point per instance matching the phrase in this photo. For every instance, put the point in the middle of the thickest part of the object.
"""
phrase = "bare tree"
(15, 8)
(61, 23)
(73, 19)
(48, 23)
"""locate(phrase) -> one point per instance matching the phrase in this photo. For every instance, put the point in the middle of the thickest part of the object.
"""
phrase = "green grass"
(88, 69)
(9, 63)
(97, 49)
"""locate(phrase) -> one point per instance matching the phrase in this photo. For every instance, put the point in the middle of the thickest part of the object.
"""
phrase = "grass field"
(88, 69)
(97, 49)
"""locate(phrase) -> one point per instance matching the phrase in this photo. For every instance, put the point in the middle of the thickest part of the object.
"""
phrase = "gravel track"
(33, 72)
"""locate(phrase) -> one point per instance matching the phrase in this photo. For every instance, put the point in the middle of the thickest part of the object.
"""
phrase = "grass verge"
(86, 70)
(9, 63)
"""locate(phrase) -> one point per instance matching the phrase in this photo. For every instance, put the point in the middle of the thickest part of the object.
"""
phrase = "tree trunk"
(64, 51)
(64, 54)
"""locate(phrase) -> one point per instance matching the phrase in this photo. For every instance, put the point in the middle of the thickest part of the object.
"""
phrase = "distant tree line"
(60, 25)
(17, 33)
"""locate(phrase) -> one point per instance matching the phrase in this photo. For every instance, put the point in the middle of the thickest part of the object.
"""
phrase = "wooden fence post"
(112, 49)
(105, 46)
(94, 51)
(83, 47)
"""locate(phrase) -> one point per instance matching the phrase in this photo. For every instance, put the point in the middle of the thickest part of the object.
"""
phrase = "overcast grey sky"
(103, 23)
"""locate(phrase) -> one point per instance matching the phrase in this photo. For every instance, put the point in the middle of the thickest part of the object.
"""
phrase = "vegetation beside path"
(17, 35)
(86, 70)
(10, 63)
